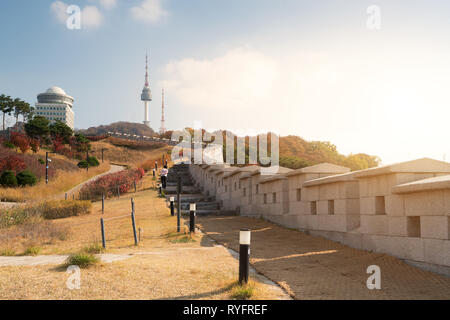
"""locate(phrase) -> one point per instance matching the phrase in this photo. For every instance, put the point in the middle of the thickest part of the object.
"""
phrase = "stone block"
(404, 226)
(374, 224)
(395, 205)
(346, 206)
(437, 251)
(435, 227)
(428, 203)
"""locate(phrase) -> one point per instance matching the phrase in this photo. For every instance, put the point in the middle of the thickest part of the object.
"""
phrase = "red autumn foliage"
(12, 162)
(35, 144)
(108, 184)
(21, 141)
(58, 144)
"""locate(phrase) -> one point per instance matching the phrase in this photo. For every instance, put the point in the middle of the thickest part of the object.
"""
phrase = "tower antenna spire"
(146, 95)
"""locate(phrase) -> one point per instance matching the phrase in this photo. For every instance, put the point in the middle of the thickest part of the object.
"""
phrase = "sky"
(368, 76)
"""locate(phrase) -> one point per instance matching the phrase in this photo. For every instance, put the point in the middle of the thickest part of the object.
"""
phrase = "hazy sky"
(309, 68)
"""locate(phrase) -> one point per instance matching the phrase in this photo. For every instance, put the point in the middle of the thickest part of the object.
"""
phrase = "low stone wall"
(402, 209)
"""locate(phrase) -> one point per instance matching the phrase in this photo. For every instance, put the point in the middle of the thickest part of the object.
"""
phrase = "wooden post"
(118, 192)
(134, 228)
(135, 186)
(66, 195)
(102, 225)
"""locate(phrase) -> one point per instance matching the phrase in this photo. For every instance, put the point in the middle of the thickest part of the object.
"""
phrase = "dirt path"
(316, 268)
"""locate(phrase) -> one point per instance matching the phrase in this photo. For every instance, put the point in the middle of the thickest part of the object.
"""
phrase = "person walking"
(156, 165)
(163, 175)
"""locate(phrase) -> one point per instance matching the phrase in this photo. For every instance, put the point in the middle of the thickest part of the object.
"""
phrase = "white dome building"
(56, 105)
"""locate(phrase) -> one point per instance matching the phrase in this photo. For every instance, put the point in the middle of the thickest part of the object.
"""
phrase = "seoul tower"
(162, 130)
(146, 95)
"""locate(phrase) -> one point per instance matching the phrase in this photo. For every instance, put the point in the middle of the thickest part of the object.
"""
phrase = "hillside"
(121, 126)
(296, 153)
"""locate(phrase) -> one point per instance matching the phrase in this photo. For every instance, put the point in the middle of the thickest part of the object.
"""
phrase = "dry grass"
(122, 155)
(162, 266)
(64, 181)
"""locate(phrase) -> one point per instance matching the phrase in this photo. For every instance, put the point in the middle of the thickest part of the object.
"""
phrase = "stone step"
(210, 213)
(201, 206)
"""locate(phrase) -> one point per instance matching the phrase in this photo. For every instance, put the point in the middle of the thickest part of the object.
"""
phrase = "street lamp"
(47, 160)
(244, 255)
(192, 208)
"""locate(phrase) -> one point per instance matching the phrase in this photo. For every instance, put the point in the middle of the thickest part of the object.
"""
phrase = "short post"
(103, 203)
(132, 204)
(154, 173)
(135, 186)
(160, 189)
(179, 204)
(172, 199)
(66, 195)
(140, 234)
(102, 225)
(192, 208)
(73, 196)
(133, 221)
(118, 192)
(244, 255)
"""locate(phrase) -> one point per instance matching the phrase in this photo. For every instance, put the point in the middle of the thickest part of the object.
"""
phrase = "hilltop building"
(55, 104)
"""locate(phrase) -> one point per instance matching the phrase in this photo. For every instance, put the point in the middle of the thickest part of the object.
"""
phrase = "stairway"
(190, 193)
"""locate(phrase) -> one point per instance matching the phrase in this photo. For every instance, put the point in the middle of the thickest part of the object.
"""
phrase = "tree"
(6, 107)
(81, 143)
(21, 141)
(61, 130)
(21, 108)
(37, 128)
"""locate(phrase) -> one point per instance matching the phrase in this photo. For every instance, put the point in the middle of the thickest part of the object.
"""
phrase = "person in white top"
(163, 175)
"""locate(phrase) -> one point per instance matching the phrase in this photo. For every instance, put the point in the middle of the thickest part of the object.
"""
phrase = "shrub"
(9, 145)
(8, 179)
(21, 141)
(35, 145)
(82, 164)
(83, 260)
(107, 184)
(93, 162)
(242, 292)
(41, 161)
(13, 217)
(32, 251)
(26, 178)
(93, 248)
(58, 209)
(13, 163)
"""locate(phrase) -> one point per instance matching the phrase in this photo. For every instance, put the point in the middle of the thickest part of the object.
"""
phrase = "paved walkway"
(53, 259)
(311, 267)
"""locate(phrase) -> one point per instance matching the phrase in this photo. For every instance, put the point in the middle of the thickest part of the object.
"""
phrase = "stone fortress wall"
(401, 209)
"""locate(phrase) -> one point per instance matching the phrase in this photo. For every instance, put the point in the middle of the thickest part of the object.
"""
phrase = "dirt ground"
(311, 267)
(162, 266)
